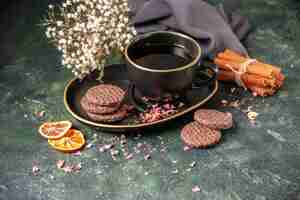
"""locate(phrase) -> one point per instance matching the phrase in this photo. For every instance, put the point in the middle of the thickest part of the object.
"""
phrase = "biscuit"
(96, 109)
(113, 117)
(199, 136)
(214, 119)
(105, 95)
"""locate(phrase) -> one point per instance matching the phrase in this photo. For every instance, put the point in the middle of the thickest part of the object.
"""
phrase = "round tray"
(117, 75)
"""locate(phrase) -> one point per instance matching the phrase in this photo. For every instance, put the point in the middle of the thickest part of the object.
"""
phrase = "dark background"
(12, 12)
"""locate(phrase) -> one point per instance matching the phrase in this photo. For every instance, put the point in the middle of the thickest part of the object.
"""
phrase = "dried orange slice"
(72, 141)
(54, 130)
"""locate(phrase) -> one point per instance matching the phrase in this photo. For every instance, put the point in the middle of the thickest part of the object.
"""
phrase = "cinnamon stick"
(235, 57)
(248, 79)
(259, 91)
(254, 69)
(261, 78)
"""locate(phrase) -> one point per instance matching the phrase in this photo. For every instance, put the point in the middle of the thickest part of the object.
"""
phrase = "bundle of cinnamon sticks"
(260, 78)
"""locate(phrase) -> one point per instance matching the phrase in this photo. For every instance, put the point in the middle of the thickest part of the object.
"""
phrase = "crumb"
(89, 145)
(76, 153)
(164, 149)
(196, 189)
(101, 149)
(129, 156)
(114, 152)
(187, 148)
(139, 145)
(147, 157)
(60, 164)
(77, 167)
(35, 170)
(252, 115)
(114, 158)
(67, 168)
(192, 164)
(108, 146)
(40, 113)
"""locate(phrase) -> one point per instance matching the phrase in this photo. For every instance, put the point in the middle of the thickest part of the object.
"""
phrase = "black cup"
(157, 81)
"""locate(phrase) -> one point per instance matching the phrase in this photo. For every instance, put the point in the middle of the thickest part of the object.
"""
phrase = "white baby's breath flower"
(59, 23)
(61, 33)
(69, 66)
(87, 31)
(62, 41)
(48, 35)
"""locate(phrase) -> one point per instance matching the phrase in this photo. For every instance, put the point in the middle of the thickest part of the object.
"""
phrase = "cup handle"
(132, 99)
(205, 70)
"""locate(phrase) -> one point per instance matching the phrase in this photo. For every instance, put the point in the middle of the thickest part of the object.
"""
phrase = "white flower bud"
(48, 35)
(59, 23)
(83, 8)
(62, 41)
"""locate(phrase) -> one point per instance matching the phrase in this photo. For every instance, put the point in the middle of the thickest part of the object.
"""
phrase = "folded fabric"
(215, 28)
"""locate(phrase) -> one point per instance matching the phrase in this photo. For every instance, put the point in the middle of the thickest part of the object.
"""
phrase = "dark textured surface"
(258, 161)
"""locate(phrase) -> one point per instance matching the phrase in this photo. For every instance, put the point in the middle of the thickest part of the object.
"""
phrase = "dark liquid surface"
(162, 57)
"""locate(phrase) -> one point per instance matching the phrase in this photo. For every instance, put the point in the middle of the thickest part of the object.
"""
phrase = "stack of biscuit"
(205, 130)
(102, 103)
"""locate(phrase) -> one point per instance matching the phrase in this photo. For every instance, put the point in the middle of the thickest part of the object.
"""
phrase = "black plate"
(116, 74)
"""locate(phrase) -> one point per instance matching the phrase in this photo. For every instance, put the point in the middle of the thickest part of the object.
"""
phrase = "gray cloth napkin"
(215, 28)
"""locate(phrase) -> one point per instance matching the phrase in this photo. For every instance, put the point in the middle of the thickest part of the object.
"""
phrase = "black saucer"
(117, 74)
